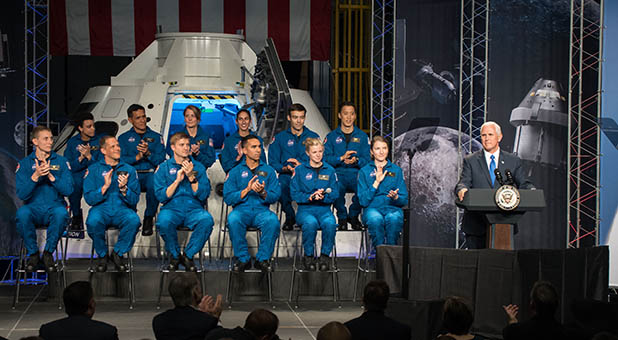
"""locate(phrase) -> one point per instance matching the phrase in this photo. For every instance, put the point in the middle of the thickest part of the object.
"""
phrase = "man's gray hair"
(494, 124)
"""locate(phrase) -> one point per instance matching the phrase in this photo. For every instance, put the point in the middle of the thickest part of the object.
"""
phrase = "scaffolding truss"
(36, 47)
(473, 57)
(585, 56)
(383, 69)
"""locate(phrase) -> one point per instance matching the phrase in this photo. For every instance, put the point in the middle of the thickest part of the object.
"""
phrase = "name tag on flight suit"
(390, 174)
(262, 173)
(323, 177)
(149, 139)
(54, 167)
(355, 140)
(200, 142)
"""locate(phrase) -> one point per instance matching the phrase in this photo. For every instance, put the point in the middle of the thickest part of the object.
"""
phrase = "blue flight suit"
(314, 215)
(44, 202)
(229, 153)
(201, 138)
(184, 208)
(78, 169)
(381, 214)
(335, 145)
(145, 167)
(287, 145)
(113, 208)
(252, 210)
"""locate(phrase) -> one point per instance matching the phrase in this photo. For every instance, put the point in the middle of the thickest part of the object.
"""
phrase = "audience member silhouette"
(259, 325)
(80, 306)
(542, 324)
(373, 324)
(193, 315)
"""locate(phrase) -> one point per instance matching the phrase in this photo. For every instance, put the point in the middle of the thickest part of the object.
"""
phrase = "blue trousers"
(259, 217)
(197, 219)
(313, 218)
(382, 223)
(55, 216)
(75, 199)
(286, 199)
(347, 183)
(100, 217)
(146, 182)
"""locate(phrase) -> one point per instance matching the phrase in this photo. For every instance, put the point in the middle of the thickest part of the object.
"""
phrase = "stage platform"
(250, 286)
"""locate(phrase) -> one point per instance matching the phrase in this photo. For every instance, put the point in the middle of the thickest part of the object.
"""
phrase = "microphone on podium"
(499, 177)
(509, 177)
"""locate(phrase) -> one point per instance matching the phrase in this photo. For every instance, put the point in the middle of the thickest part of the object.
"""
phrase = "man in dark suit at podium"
(478, 172)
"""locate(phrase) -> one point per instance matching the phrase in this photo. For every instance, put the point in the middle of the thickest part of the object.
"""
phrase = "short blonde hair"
(309, 142)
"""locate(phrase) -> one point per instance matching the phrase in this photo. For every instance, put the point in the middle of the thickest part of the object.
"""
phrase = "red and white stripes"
(300, 28)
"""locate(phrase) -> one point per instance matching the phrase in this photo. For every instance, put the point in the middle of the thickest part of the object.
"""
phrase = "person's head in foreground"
(262, 324)
(334, 331)
(78, 299)
(375, 296)
(457, 316)
(543, 300)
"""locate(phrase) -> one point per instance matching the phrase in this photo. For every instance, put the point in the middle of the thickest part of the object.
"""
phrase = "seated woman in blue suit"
(314, 188)
(382, 192)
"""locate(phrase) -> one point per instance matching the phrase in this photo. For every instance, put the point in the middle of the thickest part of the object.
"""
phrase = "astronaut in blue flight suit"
(382, 192)
(250, 188)
(201, 144)
(143, 149)
(42, 181)
(347, 150)
(82, 150)
(231, 152)
(286, 152)
(314, 188)
(182, 186)
(111, 188)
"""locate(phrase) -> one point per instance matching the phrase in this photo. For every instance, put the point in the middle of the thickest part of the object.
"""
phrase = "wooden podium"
(500, 222)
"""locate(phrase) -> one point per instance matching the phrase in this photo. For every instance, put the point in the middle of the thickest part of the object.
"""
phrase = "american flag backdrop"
(299, 28)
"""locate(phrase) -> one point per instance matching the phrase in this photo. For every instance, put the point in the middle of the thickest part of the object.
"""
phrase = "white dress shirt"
(488, 157)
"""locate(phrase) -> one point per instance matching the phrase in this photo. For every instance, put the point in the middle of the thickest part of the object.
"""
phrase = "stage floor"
(301, 323)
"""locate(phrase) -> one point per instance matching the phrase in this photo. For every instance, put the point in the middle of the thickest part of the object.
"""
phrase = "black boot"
(102, 264)
(324, 262)
(119, 262)
(356, 224)
(240, 266)
(147, 226)
(48, 261)
(309, 263)
(174, 262)
(188, 263)
(264, 266)
(289, 224)
(342, 225)
(33, 262)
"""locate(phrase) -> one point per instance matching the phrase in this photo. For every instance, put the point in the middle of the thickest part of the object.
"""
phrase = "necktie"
(492, 169)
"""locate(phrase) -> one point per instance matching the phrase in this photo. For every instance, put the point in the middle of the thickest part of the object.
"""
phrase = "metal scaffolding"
(383, 69)
(586, 53)
(473, 55)
(36, 48)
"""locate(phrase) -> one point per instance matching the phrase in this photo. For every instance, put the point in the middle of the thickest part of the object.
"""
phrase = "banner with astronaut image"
(528, 62)
(12, 117)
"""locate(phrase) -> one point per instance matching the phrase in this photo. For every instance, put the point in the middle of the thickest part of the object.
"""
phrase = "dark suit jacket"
(475, 174)
(78, 327)
(534, 329)
(183, 323)
(375, 325)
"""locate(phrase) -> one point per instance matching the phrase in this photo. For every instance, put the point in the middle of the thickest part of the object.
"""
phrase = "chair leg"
(228, 294)
(161, 284)
(20, 269)
(131, 282)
